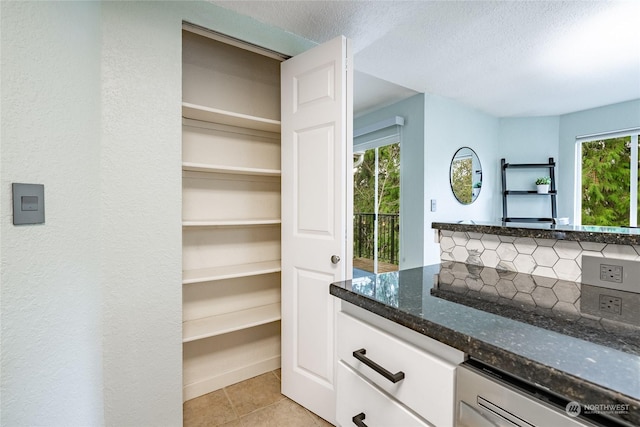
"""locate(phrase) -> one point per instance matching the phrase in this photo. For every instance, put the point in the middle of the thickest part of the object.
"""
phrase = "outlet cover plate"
(610, 304)
(629, 279)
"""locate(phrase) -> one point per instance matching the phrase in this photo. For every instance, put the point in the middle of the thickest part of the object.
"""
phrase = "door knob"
(335, 259)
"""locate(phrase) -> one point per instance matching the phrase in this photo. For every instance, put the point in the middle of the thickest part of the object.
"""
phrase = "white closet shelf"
(236, 170)
(230, 272)
(207, 327)
(231, 223)
(215, 115)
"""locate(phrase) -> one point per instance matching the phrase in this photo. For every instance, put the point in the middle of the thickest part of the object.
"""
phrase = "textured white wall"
(50, 293)
(141, 214)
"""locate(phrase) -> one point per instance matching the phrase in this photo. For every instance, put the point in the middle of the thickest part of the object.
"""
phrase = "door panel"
(314, 324)
(315, 171)
(316, 217)
(315, 85)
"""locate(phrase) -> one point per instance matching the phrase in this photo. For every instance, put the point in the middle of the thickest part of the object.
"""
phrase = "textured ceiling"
(507, 58)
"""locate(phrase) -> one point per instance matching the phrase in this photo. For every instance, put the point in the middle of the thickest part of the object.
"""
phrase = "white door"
(316, 217)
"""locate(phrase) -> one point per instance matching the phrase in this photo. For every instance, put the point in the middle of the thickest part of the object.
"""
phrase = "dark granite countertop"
(586, 359)
(580, 233)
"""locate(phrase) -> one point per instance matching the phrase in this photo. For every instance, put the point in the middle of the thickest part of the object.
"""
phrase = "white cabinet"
(420, 375)
(231, 214)
(364, 402)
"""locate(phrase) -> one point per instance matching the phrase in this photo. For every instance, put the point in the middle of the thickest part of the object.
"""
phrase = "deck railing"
(388, 236)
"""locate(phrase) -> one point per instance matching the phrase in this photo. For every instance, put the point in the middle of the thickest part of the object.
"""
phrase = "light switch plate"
(28, 204)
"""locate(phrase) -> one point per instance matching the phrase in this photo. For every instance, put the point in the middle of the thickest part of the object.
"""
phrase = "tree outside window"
(462, 179)
(377, 215)
(606, 187)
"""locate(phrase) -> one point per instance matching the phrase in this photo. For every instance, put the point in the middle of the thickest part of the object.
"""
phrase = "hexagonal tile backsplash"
(555, 259)
(522, 290)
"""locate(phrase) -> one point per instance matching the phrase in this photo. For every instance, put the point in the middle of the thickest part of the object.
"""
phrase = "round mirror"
(465, 175)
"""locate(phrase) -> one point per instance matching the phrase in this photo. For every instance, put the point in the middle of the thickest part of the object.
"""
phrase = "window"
(376, 197)
(376, 210)
(608, 179)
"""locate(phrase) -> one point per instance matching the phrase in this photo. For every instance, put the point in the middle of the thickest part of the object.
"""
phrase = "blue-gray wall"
(620, 116)
(449, 125)
(527, 140)
(434, 130)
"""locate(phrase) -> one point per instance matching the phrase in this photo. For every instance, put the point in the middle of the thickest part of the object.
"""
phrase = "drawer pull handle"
(394, 378)
(357, 420)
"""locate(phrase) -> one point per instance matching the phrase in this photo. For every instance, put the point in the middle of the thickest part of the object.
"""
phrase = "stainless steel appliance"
(487, 397)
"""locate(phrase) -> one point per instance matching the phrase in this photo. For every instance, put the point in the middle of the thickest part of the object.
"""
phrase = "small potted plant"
(543, 184)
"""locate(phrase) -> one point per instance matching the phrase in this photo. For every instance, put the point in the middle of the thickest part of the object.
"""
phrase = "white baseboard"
(207, 385)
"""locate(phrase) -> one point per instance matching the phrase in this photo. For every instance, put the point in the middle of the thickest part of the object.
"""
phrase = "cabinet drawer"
(357, 396)
(428, 384)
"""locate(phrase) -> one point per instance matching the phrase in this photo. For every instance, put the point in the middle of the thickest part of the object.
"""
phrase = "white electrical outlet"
(611, 273)
(610, 304)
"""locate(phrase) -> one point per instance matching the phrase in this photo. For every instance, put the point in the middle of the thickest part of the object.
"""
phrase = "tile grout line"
(308, 412)
(258, 410)
(310, 415)
(284, 398)
(235, 411)
(238, 417)
(241, 421)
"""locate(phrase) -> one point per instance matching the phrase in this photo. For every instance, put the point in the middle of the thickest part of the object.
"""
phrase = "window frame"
(634, 133)
(381, 134)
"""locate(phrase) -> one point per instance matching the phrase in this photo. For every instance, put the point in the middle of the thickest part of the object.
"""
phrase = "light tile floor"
(255, 402)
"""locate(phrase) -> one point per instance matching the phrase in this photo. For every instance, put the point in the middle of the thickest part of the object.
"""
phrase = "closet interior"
(230, 212)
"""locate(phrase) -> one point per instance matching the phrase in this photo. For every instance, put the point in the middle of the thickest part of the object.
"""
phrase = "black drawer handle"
(357, 420)
(394, 378)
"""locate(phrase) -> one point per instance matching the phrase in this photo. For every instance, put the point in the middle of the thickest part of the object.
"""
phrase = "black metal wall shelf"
(551, 165)
(525, 192)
